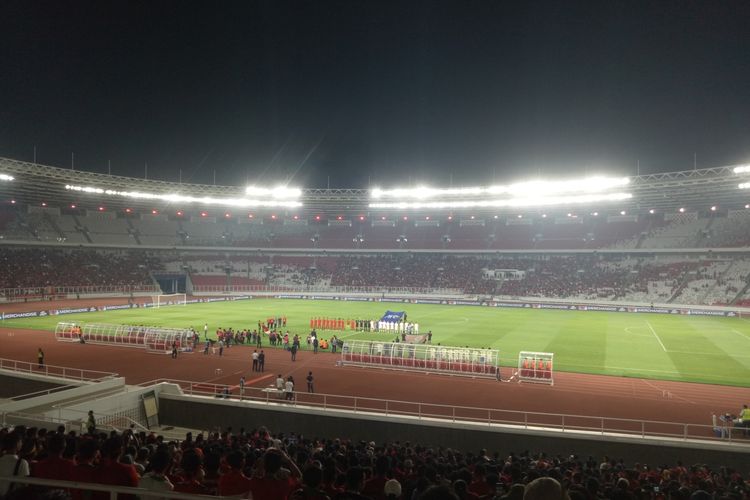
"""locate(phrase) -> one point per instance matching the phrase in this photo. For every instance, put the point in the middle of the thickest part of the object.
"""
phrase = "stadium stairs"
(741, 294)
(83, 229)
(683, 283)
(54, 226)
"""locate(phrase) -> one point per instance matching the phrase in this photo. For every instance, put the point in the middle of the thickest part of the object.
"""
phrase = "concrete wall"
(17, 384)
(207, 413)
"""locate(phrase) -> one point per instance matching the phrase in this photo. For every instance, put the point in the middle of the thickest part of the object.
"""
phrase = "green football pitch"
(672, 347)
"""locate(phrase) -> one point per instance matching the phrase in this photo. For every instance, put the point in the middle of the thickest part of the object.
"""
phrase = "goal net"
(535, 367)
(169, 299)
(467, 361)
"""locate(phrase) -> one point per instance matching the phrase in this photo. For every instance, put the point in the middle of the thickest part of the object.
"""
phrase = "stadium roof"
(693, 190)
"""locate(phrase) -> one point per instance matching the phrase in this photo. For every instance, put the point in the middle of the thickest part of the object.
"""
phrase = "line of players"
(363, 325)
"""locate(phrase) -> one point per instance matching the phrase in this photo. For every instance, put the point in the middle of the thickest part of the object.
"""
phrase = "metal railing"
(328, 289)
(55, 371)
(53, 291)
(110, 489)
(593, 425)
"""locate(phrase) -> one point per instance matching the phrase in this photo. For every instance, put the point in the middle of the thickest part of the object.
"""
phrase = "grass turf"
(671, 347)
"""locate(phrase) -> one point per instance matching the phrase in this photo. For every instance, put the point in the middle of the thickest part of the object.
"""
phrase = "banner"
(393, 316)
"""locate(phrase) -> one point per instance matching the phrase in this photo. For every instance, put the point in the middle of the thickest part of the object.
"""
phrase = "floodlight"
(595, 214)
(507, 202)
(44, 203)
(6, 177)
(622, 212)
(154, 212)
(589, 185)
(713, 208)
(741, 169)
(682, 210)
(747, 206)
(12, 202)
(652, 211)
(744, 185)
(178, 198)
(279, 192)
(519, 216)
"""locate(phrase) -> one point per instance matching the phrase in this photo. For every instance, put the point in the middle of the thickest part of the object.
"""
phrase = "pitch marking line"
(664, 391)
(629, 330)
(657, 336)
(740, 334)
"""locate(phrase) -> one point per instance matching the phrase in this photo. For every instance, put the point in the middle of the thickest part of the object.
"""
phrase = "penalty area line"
(657, 336)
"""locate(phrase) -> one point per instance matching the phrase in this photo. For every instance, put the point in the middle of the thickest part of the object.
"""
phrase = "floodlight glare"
(741, 169)
(178, 198)
(6, 177)
(590, 185)
(279, 192)
(744, 185)
(507, 202)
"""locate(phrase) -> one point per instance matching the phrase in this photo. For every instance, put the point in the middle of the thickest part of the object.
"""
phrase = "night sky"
(375, 92)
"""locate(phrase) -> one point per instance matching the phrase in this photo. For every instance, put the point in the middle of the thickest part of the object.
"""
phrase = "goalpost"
(535, 367)
(169, 299)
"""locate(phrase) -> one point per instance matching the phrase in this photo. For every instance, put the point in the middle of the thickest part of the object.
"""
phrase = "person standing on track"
(255, 360)
(261, 361)
(293, 350)
(174, 350)
(242, 387)
(310, 379)
(289, 389)
(40, 358)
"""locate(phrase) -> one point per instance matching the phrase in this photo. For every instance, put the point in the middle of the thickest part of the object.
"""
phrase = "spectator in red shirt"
(84, 470)
(191, 480)
(112, 472)
(234, 482)
(54, 466)
(312, 480)
(273, 481)
(374, 486)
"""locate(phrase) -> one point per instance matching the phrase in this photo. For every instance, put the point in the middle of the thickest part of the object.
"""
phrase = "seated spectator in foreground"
(234, 481)
(545, 488)
(84, 470)
(355, 483)
(156, 480)
(272, 481)
(312, 479)
(113, 472)
(11, 464)
(191, 478)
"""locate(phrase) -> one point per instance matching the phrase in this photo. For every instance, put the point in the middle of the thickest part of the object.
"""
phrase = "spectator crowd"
(276, 467)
